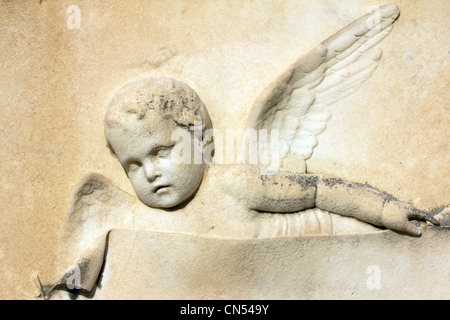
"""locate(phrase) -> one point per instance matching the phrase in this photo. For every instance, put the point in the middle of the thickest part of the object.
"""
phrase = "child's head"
(138, 125)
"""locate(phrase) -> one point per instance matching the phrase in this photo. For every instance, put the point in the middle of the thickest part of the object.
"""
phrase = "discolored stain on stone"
(331, 181)
(304, 181)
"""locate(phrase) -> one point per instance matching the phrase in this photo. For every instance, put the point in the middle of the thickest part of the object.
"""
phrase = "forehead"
(138, 139)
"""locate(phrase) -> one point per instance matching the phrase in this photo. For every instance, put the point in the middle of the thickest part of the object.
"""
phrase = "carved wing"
(296, 103)
(95, 207)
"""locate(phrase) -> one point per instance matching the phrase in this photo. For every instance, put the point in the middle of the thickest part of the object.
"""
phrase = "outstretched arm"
(291, 192)
(367, 204)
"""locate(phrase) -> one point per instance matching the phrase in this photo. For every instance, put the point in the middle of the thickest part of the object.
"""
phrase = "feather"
(297, 103)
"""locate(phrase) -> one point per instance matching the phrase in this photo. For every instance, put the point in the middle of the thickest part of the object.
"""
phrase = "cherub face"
(145, 154)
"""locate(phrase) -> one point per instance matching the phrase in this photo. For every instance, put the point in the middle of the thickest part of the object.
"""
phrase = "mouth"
(161, 189)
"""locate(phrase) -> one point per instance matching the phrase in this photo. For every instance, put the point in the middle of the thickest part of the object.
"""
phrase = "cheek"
(185, 176)
(139, 182)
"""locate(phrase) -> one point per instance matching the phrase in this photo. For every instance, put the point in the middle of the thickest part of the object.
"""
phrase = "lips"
(161, 189)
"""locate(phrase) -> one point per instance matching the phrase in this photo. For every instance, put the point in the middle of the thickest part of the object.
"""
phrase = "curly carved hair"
(165, 98)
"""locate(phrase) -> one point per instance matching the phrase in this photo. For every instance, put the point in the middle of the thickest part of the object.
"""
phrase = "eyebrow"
(133, 158)
(161, 146)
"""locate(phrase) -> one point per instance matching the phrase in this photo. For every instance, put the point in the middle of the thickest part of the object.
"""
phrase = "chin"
(161, 203)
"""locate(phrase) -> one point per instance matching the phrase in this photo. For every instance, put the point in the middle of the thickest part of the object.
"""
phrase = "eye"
(162, 151)
(132, 166)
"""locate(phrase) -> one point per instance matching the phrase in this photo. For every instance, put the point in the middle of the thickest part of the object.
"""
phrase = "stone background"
(56, 82)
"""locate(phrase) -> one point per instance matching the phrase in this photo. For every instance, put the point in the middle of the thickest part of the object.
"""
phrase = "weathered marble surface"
(57, 82)
(380, 265)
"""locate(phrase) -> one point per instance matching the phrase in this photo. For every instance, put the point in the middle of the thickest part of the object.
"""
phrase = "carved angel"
(234, 201)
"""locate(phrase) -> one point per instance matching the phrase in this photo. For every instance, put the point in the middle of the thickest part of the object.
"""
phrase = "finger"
(433, 220)
(422, 215)
(414, 213)
(411, 229)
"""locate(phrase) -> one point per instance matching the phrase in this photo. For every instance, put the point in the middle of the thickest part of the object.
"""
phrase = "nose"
(151, 171)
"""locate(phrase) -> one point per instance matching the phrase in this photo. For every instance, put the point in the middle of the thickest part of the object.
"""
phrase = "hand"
(442, 215)
(396, 216)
